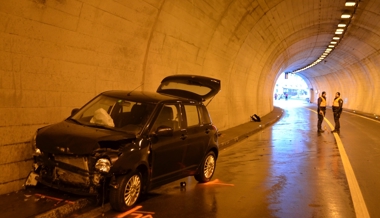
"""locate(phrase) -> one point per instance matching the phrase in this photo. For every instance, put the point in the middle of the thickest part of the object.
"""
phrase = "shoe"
(337, 131)
(321, 130)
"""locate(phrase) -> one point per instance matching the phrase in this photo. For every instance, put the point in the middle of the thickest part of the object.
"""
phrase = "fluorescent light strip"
(339, 31)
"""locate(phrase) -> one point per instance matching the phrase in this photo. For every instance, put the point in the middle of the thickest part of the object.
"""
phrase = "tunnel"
(58, 54)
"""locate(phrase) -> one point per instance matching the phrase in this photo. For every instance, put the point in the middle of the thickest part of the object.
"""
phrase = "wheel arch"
(144, 171)
(215, 150)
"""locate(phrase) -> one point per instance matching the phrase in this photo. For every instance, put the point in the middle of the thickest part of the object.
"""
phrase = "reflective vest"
(336, 102)
(323, 102)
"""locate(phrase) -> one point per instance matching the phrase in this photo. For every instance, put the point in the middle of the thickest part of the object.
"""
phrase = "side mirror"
(74, 111)
(164, 131)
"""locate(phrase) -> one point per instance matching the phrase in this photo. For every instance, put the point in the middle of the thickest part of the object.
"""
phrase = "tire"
(207, 168)
(127, 193)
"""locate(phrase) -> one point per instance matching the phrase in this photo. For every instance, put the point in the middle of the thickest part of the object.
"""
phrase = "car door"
(197, 137)
(168, 150)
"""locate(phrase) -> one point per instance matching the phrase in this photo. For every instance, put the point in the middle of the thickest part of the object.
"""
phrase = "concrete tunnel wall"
(55, 55)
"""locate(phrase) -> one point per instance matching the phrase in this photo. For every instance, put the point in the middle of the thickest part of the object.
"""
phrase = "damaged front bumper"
(75, 174)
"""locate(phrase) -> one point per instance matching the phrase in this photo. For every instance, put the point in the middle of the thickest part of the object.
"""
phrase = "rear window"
(192, 115)
(205, 117)
(189, 87)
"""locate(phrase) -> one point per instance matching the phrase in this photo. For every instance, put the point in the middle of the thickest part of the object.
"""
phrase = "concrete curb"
(360, 113)
(65, 210)
(269, 121)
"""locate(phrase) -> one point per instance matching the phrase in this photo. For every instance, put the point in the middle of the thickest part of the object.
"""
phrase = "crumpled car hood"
(71, 138)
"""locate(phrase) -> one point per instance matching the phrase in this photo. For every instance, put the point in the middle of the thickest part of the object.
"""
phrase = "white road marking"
(353, 113)
(361, 210)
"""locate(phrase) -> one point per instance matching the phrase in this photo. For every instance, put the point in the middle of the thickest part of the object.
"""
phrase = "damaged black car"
(122, 144)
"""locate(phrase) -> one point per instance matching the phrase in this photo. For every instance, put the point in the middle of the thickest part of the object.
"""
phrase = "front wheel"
(128, 191)
(207, 168)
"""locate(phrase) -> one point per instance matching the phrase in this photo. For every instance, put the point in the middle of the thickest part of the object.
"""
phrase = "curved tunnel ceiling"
(301, 31)
(309, 41)
(245, 43)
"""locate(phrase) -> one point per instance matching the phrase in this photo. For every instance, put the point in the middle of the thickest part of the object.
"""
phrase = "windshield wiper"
(75, 121)
(104, 127)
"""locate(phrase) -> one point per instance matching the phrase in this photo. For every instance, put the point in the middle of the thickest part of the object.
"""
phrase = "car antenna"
(129, 93)
(210, 100)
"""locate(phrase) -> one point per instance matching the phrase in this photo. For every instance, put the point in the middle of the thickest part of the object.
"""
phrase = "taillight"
(216, 133)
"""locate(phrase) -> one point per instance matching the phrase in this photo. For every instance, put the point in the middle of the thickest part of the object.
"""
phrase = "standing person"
(321, 110)
(337, 109)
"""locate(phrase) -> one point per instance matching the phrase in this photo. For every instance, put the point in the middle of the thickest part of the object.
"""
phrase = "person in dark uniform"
(337, 109)
(321, 110)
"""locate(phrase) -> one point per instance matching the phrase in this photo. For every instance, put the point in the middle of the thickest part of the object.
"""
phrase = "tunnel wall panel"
(57, 55)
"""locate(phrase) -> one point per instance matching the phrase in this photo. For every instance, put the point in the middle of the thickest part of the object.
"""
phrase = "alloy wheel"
(132, 190)
(209, 166)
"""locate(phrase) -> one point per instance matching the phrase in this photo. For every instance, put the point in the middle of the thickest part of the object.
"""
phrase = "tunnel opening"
(291, 88)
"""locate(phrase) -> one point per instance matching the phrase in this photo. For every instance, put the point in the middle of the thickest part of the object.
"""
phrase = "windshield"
(115, 113)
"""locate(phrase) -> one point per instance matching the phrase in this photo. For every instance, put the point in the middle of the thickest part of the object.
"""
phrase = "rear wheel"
(207, 169)
(128, 191)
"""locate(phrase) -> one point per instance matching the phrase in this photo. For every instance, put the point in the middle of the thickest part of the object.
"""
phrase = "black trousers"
(320, 118)
(336, 120)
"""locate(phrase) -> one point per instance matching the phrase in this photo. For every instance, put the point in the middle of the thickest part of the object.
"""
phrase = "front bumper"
(69, 173)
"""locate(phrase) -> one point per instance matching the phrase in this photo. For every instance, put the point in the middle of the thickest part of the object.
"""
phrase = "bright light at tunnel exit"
(294, 87)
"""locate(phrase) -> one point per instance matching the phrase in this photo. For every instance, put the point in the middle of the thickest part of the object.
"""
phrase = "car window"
(190, 87)
(205, 117)
(168, 116)
(104, 103)
(127, 115)
(192, 115)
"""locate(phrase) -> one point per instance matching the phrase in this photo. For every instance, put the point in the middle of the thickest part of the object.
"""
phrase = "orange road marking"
(140, 215)
(128, 212)
(217, 182)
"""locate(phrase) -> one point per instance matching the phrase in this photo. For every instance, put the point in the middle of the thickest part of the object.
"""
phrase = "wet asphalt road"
(361, 139)
(286, 170)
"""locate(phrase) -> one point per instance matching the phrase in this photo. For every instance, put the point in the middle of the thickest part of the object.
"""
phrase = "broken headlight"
(36, 151)
(103, 165)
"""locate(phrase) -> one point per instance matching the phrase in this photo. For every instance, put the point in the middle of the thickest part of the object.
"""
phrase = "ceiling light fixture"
(342, 25)
(350, 3)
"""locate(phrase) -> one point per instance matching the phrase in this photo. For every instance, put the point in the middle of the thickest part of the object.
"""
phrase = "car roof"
(140, 96)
